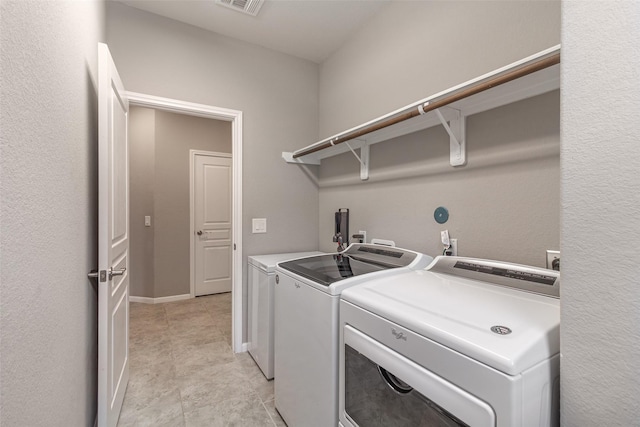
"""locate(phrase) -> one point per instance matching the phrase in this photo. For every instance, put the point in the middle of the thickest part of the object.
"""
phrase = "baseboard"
(147, 300)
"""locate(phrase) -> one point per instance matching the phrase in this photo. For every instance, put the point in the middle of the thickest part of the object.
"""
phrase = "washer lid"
(333, 272)
(268, 262)
(505, 328)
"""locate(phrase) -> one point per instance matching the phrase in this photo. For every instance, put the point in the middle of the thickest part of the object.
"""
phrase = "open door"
(113, 241)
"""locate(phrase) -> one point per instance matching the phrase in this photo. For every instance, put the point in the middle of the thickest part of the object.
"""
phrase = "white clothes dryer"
(466, 342)
(306, 325)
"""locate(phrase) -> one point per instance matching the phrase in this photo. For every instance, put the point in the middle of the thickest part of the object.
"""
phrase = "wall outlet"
(551, 256)
(364, 235)
(454, 247)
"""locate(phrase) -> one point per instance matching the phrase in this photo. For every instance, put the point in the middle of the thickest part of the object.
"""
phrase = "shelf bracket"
(305, 160)
(363, 159)
(456, 128)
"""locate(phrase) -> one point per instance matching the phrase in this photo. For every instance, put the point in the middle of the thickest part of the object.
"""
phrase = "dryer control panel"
(523, 277)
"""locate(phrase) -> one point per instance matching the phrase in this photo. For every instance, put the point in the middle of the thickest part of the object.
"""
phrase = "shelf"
(531, 76)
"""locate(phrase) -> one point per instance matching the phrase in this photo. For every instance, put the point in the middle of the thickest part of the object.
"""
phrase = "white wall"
(505, 203)
(48, 189)
(277, 93)
(600, 295)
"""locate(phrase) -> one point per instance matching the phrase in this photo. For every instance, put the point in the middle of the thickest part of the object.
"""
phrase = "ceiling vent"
(250, 7)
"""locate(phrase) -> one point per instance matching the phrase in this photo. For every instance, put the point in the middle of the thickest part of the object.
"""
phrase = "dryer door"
(383, 388)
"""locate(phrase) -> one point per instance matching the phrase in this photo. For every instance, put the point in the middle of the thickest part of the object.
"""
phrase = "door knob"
(113, 272)
(100, 275)
(199, 233)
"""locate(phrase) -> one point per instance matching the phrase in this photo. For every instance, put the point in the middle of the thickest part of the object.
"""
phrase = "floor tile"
(161, 376)
(185, 306)
(184, 373)
(150, 353)
(160, 415)
(215, 383)
(149, 339)
(214, 353)
(192, 317)
(275, 416)
(218, 306)
(258, 382)
(159, 394)
(155, 313)
(146, 326)
(194, 335)
(230, 412)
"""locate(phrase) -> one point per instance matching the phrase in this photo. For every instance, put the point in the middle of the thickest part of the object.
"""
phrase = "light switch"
(147, 221)
(259, 225)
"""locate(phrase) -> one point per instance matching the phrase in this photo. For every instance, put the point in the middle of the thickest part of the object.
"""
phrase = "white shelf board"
(531, 85)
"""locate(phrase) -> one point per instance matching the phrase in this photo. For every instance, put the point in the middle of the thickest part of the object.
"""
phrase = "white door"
(212, 220)
(113, 241)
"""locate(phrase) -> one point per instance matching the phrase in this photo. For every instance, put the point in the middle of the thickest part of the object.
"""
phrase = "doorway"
(235, 119)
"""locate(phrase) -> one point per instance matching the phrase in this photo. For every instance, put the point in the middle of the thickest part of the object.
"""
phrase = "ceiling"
(309, 29)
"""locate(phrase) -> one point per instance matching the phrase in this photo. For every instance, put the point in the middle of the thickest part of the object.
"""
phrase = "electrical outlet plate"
(551, 255)
(454, 247)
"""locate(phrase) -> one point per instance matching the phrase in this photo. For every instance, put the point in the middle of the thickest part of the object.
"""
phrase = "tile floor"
(183, 372)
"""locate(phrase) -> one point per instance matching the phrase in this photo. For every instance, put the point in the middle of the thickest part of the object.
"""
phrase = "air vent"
(250, 7)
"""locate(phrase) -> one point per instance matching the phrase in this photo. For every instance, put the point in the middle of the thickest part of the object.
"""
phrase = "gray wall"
(504, 204)
(277, 93)
(413, 49)
(600, 295)
(142, 173)
(176, 134)
(48, 184)
(160, 188)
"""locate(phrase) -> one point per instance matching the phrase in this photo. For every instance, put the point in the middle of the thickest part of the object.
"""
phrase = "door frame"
(235, 117)
(192, 214)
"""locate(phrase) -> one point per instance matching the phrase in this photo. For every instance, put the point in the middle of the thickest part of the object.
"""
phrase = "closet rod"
(414, 111)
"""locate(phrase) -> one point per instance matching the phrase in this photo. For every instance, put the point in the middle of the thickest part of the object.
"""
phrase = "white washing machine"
(261, 284)
(306, 325)
(465, 342)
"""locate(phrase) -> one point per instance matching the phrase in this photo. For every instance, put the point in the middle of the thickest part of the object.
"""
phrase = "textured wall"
(413, 49)
(504, 204)
(142, 170)
(176, 134)
(160, 144)
(48, 216)
(278, 95)
(600, 293)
